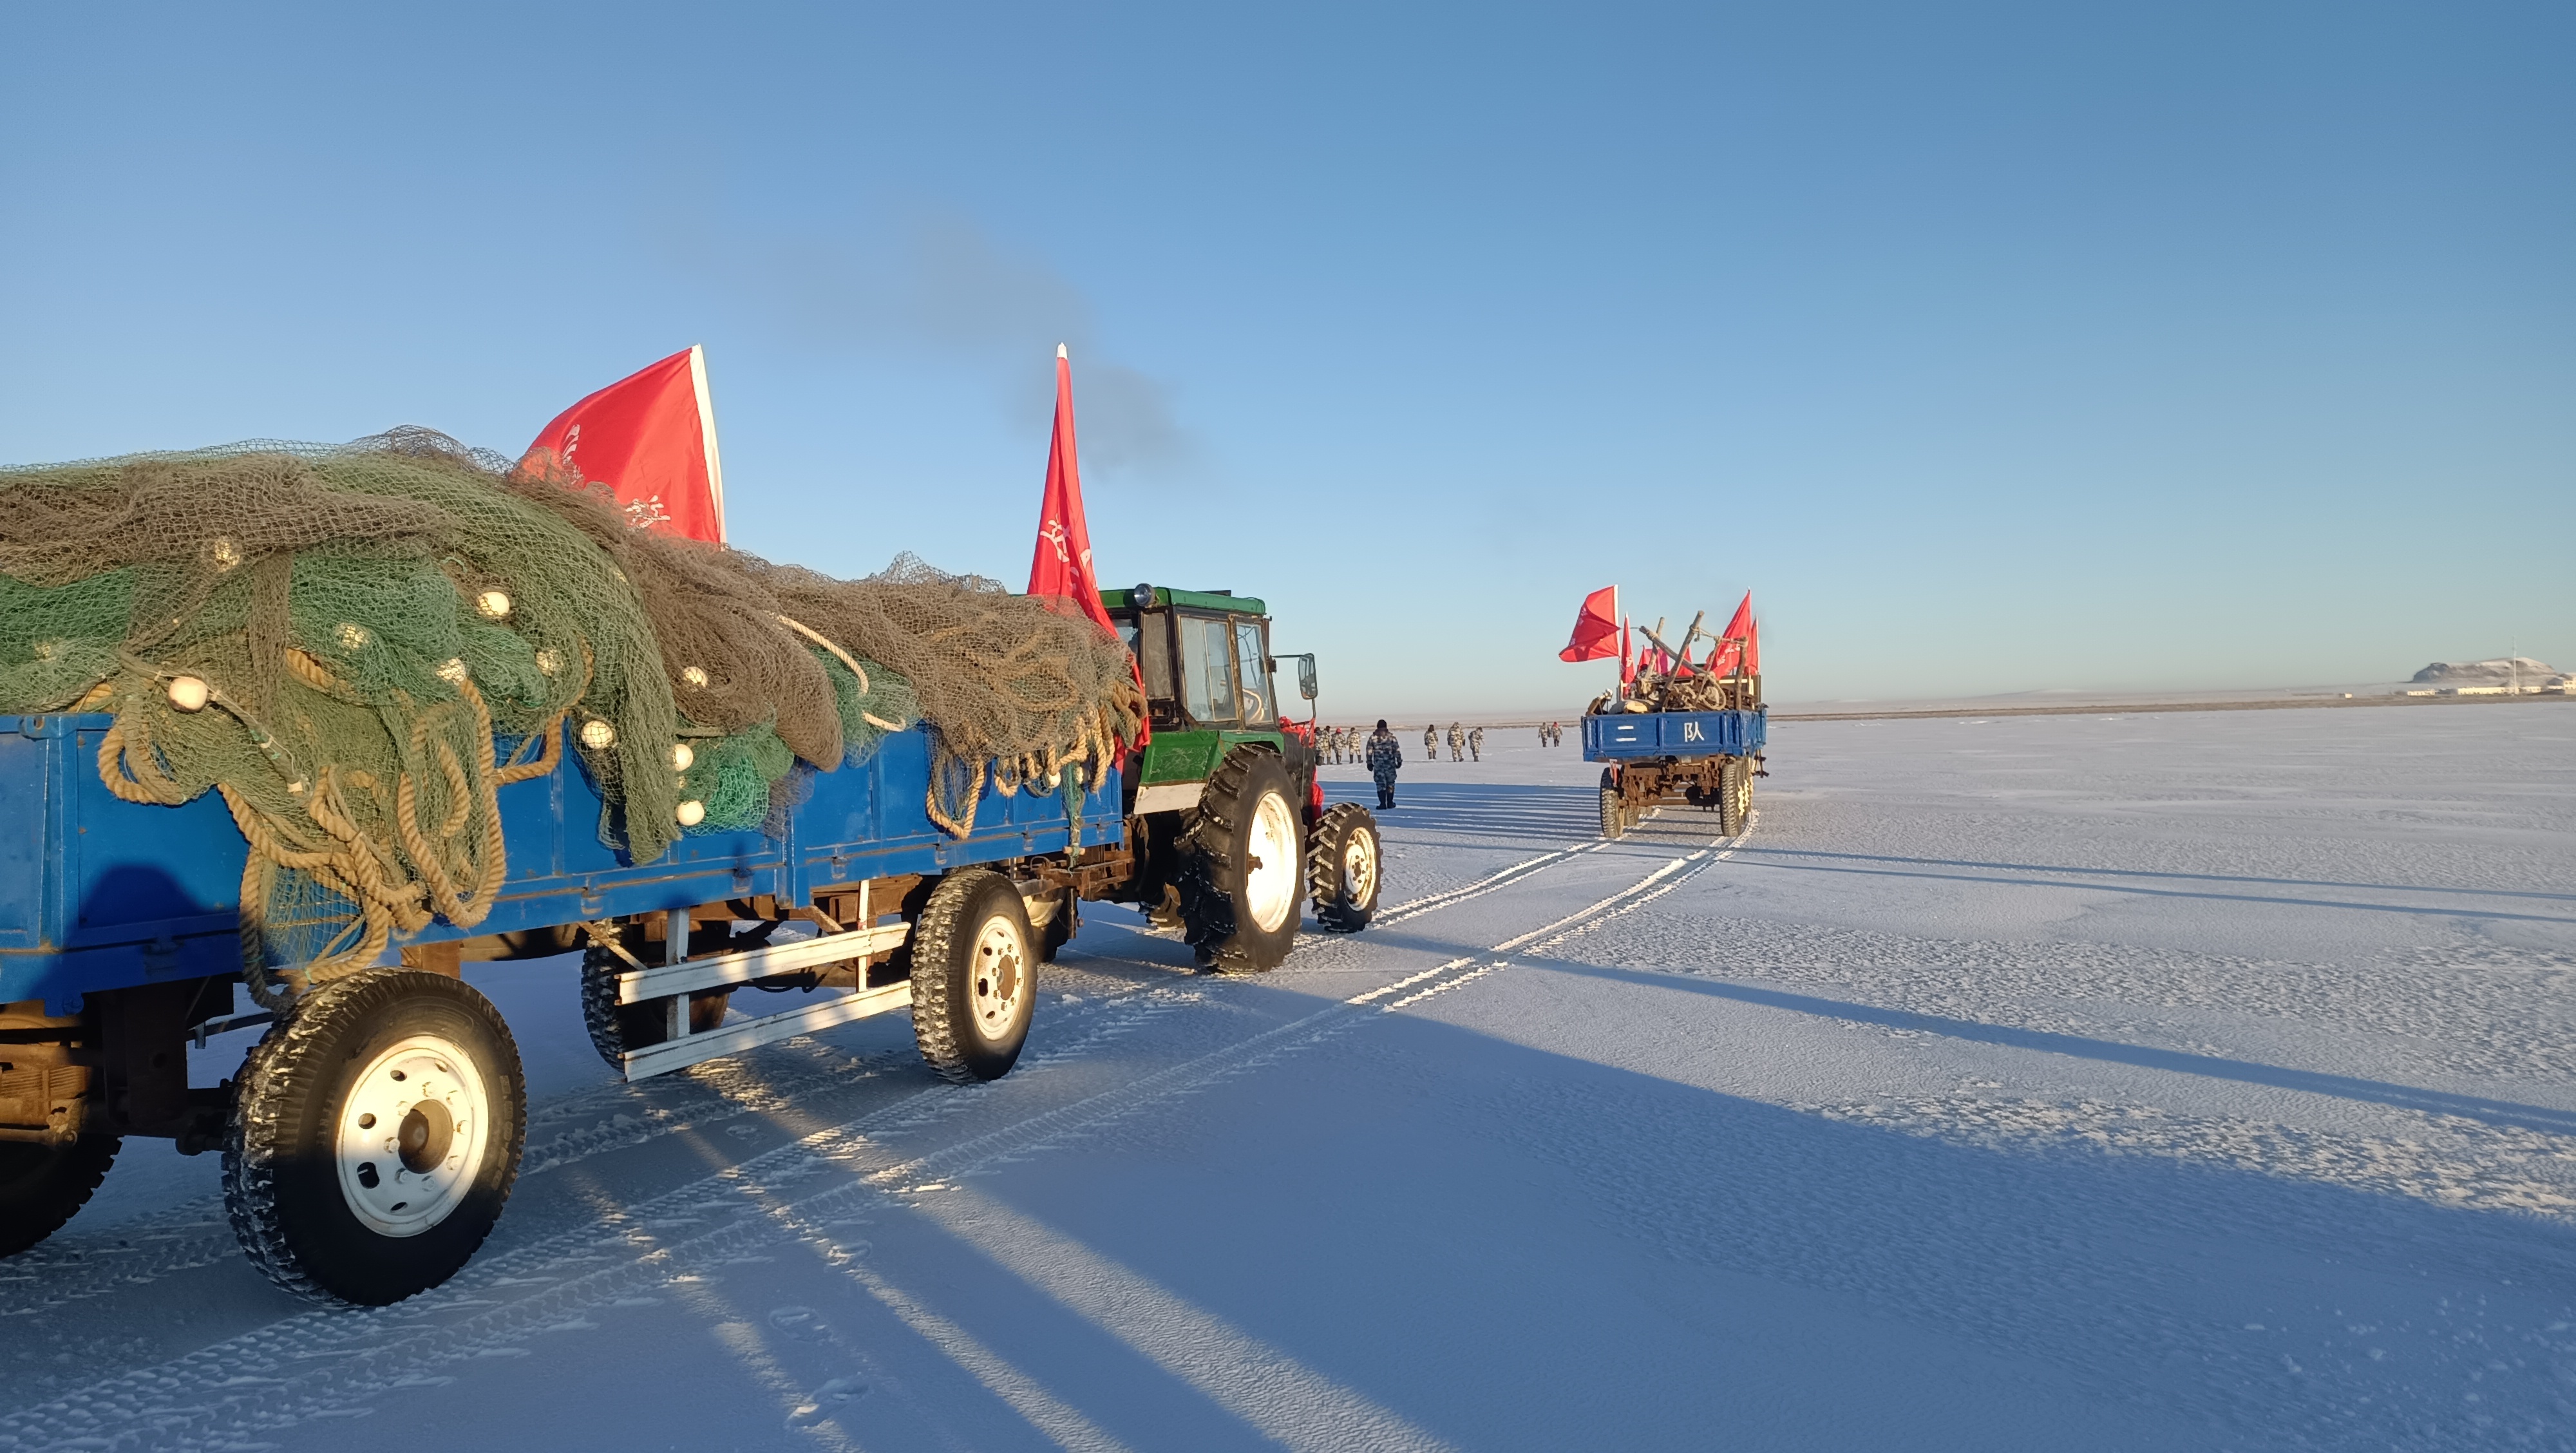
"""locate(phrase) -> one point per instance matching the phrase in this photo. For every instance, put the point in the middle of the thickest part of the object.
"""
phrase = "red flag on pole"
(651, 438)
(1740, 643)
(1627, 659)
(1060, 568)
(1596, 628)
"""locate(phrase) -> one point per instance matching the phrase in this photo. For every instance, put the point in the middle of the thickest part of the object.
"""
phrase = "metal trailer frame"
(99, 896)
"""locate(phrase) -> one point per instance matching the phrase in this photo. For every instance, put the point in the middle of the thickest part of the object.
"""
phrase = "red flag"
(1060, 568)
(1596, 627)
(651, 437)
(1739, 644)
(1627, 659)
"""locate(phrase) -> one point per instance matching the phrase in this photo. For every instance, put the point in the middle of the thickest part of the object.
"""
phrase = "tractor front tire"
(41, 1186)
(375, 1135)
(1344, 868)
(1242, 873)
(974, 977)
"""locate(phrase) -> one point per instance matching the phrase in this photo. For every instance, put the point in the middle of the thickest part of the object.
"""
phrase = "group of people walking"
(1349, 745)
(1338, 745)
(1383, 755)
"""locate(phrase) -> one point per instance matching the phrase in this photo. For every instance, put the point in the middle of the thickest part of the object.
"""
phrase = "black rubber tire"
(281, 1174)
(1734, 795)
(41, 1186)
(1215, 868)
(618, 1028)
(1061, 928)
(1614, 813)
(1328, 868)
(949, 961)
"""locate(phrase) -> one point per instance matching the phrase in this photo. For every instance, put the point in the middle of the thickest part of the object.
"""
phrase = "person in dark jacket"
(1385, 756)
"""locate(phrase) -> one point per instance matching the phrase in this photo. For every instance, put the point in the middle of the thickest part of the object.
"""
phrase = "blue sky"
(1995, 348)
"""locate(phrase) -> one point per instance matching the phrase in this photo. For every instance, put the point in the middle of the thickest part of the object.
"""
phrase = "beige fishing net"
(357, 645)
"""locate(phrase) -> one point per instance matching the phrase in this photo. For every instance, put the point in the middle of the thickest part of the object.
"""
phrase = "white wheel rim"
(1270, 888)
(412, 1134)
(1359, 868)
(1000, 978)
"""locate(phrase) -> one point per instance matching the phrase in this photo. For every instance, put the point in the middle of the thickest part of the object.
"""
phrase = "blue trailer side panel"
(1628, 735)
(98, 893)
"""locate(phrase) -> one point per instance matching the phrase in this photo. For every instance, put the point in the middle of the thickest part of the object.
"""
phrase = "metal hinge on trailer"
(675, 981)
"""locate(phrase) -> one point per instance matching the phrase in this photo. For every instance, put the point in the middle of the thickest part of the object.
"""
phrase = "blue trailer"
(374, 1131)
(1705, 758)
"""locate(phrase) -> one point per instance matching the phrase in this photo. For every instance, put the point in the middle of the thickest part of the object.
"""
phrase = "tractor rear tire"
(1242, 871)
(617, 1029)
(1734, 796)
(375, 1136)
(1614, 812)
(41, 1186)
(1344, 868)
(974, 977)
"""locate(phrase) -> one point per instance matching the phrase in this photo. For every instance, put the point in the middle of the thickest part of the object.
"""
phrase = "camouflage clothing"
(1385, 756)
(1457, 743)
(1476, 743)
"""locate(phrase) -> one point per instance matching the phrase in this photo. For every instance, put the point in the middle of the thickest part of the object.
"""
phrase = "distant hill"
(2502, 671)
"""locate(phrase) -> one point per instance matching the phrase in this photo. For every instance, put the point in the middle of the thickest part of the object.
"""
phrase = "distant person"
(1333, 745)
(1476, 744)
(1385, 756)
(1431, 741)
(1457, 743)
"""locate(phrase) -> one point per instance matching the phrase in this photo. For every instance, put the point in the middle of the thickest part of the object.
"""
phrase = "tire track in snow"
(196, 1233)
(1627, 900)
(1494, 883)
(218, 1396)
(316, 1362)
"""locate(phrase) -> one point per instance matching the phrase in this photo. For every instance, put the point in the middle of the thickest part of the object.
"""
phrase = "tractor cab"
(1211, 685)
(1206, 659)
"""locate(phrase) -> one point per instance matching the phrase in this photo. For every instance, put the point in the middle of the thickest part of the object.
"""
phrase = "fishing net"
(358, 645)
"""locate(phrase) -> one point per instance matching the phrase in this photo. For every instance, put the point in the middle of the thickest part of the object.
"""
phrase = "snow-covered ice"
(2188, 1081)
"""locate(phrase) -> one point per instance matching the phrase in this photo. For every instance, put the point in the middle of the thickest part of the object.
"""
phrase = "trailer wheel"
(1614, 813)
(974, 977)
(375, 1136)
(42, 1185)
(618, 1029)
(1061, 926)
(1343, 865)
(1734, 795)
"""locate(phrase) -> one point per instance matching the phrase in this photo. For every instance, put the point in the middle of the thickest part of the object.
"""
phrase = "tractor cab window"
(1148, 636)
(1207, 670)
(1259, 705)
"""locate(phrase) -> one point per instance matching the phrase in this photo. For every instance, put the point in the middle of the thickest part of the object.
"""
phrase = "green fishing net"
(357, 645)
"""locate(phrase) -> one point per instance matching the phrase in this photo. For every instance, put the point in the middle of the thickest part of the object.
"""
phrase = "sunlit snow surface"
(2178, 1081)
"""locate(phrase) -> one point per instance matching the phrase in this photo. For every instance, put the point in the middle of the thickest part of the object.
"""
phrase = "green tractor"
(1227, 830)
